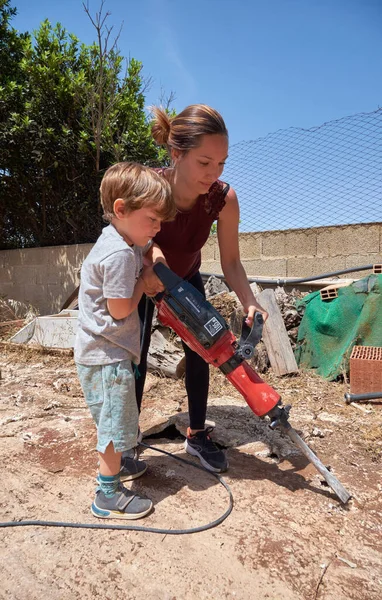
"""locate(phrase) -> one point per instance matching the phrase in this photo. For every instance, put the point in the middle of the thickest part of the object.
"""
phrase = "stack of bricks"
(366, 369)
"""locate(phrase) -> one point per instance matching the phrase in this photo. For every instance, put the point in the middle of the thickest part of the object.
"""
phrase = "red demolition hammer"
(203, 329)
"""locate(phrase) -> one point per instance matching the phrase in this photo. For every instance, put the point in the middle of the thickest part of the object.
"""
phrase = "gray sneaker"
(125, 504)
(131, 469)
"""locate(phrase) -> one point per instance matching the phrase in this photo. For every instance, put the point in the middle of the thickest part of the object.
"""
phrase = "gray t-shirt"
(110, 270)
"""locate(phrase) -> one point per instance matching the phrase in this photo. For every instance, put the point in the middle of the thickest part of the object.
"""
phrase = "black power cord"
(139, 527)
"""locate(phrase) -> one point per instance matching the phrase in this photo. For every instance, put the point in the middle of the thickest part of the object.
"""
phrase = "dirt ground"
(287, 537)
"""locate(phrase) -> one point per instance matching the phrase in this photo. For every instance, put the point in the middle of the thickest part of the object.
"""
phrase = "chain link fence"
(300, 178)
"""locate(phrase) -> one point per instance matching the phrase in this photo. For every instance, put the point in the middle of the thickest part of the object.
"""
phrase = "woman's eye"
(203, 163)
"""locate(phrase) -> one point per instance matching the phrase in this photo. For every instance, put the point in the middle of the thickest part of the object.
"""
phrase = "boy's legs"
(109, 461)
(146, 312)
(112, 499)
(110, 394)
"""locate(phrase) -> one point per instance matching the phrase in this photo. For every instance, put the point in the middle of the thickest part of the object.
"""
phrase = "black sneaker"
(131, 469)
(123, 505)
(201, 445)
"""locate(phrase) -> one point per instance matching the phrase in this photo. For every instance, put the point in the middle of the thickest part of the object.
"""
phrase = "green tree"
(11, 85)
(67, 113)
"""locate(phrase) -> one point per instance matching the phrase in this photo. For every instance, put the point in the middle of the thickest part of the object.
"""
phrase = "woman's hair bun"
(160, 126)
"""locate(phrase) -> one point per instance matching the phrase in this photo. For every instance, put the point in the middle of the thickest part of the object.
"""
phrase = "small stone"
(317, 433)
(215, 286)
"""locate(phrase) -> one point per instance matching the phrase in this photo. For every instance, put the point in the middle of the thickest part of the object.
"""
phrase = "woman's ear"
(175, 155)
(119, 208)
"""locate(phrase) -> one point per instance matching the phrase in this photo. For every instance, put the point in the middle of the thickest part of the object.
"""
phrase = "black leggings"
(197, 370)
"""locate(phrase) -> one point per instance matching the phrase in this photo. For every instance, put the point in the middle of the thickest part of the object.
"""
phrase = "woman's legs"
(197, 376)
(145, 311)
(198, 442)
(197, 370)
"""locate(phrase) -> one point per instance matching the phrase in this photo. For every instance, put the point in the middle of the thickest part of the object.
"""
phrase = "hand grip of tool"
(250, 336)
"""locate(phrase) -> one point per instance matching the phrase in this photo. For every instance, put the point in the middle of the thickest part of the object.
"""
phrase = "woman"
(197, 141)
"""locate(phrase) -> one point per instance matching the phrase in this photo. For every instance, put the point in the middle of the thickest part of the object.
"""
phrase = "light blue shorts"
(109, 392)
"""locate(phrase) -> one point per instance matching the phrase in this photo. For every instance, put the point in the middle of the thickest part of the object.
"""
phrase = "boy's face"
(137, 227)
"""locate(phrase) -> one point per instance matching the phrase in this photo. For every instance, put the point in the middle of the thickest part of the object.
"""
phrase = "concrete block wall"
(303, 252)
(45, 277)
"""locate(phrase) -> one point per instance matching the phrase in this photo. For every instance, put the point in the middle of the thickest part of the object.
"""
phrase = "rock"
(11, 309)
(291, 318)
(293, 334)
(233, 421)
(260, 359)
(181, 368)
(215, 286)
(62, 384)
(150, 383)
(236, 321)
(163, 355)
(317, 433)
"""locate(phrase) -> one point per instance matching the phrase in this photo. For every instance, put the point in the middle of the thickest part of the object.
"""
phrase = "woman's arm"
(228, 239)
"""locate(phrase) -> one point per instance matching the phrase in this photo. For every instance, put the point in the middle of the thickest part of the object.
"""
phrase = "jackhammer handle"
(250, 336)
(332, 481)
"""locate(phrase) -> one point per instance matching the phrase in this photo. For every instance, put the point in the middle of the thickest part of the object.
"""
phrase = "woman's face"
(200, 167)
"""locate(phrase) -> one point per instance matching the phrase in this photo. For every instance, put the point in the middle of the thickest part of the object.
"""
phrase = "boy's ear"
(119, 208)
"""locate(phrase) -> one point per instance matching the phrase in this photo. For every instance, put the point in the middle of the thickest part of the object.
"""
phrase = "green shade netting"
(330, 328)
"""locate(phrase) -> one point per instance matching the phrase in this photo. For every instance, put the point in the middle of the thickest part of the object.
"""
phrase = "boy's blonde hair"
(139, 187)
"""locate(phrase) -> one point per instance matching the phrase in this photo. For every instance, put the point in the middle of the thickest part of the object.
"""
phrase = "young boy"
(135, 200)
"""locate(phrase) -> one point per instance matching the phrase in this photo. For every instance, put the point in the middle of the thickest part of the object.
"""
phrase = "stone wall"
(302, 252)
(45, 277)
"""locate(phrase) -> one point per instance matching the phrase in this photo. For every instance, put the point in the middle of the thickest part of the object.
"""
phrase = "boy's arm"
(120, 308)
(153, 283)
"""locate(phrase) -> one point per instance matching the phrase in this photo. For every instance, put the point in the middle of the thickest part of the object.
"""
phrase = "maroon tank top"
(181, 240)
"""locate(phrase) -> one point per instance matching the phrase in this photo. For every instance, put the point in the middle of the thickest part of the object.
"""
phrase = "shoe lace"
(205, 435)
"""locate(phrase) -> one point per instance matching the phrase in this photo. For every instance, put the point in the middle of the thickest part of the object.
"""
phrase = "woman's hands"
(251, 310)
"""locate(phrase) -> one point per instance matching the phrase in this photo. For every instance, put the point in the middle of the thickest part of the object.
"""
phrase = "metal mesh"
(297, 178)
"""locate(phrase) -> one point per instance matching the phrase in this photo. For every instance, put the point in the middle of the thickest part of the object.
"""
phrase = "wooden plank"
(275, 335)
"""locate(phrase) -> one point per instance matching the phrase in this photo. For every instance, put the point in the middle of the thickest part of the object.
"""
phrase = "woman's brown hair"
(184, 131)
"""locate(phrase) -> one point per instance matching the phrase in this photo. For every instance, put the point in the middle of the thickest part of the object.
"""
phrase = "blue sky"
(267, 66)
(264, 65)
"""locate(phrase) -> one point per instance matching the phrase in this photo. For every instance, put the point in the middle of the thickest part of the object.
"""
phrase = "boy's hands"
(152, 283)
